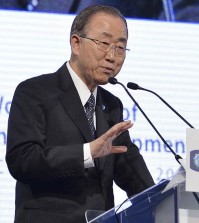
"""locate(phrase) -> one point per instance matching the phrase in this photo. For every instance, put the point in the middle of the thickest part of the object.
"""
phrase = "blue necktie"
(89, 109)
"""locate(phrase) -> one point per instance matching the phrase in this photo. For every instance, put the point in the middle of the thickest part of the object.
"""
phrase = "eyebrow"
(121, 39)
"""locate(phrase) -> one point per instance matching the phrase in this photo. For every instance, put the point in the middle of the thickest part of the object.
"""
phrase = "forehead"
(102, 24)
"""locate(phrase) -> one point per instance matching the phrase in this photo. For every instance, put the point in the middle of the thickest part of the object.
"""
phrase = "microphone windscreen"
(112, 80)
(132, 86)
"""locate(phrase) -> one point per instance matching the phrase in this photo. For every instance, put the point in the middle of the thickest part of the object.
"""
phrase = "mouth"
(108, 70)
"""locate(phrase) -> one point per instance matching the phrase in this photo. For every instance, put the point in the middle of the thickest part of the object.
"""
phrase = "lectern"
(169, 201)
(166, 202)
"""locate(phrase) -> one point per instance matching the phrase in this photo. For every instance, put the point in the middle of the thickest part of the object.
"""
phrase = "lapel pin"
(103, 107)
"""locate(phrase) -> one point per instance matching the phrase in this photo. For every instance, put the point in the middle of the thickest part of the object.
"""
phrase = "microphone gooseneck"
(134, 86)
(113, 80)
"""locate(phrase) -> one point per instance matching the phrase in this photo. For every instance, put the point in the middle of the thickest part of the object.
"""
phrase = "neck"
(88, 81)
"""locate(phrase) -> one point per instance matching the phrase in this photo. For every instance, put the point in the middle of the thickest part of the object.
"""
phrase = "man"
(65, 162)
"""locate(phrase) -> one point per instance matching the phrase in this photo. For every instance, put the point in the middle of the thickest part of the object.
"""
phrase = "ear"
(75, 44)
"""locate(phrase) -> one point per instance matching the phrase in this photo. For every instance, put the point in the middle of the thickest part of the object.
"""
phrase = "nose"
(110, 55)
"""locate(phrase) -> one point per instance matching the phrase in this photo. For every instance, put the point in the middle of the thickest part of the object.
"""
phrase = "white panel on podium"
(192, 160)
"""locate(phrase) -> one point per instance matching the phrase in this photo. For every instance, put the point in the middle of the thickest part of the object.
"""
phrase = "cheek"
(93, 59)
(118, 66)
(88, 62)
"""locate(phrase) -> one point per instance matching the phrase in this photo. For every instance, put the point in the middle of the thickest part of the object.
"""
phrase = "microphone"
(134, 86)
(114, 81)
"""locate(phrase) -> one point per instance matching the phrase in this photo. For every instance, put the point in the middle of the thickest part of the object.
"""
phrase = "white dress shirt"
(84, 94)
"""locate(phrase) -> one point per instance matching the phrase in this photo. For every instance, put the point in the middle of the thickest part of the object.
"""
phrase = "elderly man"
(67, 141)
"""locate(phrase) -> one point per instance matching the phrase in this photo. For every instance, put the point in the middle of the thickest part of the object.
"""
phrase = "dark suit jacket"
(46, 132)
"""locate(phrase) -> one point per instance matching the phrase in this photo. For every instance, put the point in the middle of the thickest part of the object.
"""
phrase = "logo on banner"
(194, 160)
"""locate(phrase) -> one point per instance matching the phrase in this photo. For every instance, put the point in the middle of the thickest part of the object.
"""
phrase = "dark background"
(179, 10)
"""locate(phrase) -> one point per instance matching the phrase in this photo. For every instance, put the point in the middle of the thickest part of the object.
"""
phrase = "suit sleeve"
(131, 173)
(28, 156)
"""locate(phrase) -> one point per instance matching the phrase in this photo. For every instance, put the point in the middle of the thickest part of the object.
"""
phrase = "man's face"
(93, 65)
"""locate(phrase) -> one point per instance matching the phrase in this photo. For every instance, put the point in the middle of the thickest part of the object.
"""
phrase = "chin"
(103, 81)
(102, 78)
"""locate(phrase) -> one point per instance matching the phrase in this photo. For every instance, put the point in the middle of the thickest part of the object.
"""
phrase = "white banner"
(164, 58)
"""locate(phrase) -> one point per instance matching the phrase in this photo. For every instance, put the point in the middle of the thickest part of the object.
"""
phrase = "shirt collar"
(82, 89)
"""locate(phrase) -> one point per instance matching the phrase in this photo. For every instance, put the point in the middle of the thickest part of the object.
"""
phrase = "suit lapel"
(102, 122)
(71, 102)
(101, 125)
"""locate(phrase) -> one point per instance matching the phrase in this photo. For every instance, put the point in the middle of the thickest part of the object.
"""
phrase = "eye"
(120, 50)
(105, 43)
(121, 47)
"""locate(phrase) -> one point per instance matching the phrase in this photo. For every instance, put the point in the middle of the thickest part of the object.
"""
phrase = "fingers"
(103, 145)
(118, 149)
(117, 129)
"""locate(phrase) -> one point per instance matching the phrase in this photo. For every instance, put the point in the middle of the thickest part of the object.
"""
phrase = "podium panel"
(188, 205)
(154, 205)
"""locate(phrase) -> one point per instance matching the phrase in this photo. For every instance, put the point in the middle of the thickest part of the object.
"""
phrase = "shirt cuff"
(88, 161)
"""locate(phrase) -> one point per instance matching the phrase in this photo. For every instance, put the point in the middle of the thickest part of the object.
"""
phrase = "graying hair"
(82, 19)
